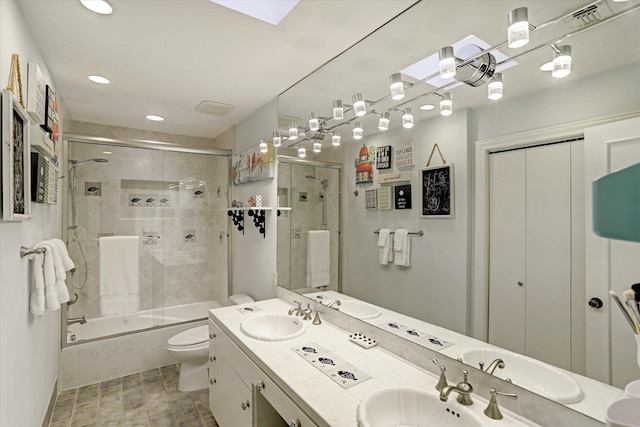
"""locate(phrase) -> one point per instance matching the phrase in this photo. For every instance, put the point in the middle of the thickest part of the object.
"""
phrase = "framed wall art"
(436, 195)
(16, 161)
(371, 199)
(253, 165)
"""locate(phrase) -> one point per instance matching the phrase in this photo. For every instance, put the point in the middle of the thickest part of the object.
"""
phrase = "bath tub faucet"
(336, 302)
(73, 320)
(497, 363)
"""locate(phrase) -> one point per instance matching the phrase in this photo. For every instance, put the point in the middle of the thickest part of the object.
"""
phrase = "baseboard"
(52, 403)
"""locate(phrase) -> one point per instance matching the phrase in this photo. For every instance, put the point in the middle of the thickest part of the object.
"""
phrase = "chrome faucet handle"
(493, 411)
(307, 312)
(316, 319)
(442, 381)
(464, 395)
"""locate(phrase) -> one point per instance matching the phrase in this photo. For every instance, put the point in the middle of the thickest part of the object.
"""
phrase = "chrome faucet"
(497, 363)
(493, 411)
(463, 389)
(298, 311)
(80, 320)
(442, 382)
(336, 302)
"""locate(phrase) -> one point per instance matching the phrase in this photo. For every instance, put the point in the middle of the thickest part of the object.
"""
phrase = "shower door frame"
(142, 144)
(340, 167)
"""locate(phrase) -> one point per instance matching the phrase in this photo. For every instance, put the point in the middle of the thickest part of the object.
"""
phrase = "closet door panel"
(548, 254)
(507, 250)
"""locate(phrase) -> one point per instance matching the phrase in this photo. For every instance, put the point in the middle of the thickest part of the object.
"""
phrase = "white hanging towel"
(52, 299)
(318, 258)
(385, 246)
(402, 248)
(37, 302)
(60, 270)
(119, 275)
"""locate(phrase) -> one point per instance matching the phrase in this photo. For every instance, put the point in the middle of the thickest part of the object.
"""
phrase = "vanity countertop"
(327, 402)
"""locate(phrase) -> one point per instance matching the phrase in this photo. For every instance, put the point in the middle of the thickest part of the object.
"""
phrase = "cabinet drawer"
(238, 360)
(285, 407)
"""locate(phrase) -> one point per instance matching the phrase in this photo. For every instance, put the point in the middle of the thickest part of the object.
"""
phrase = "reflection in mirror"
(308, 232)
(444, 285)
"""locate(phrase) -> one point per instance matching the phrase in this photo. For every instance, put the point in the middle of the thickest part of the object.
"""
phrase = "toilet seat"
(190, 338)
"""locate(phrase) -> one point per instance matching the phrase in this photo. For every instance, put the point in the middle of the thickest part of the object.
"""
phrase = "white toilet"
(191, 349)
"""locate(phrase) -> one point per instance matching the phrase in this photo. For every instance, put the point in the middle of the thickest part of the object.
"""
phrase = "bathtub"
(102, 327)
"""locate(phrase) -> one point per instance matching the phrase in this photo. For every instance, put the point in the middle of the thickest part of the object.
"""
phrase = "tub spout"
(80, 320)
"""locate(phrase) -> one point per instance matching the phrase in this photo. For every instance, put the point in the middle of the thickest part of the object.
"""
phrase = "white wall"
(254, 257)
(28, 344)
(435, 287)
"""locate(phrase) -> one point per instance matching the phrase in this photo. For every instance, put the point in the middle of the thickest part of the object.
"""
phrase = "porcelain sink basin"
(272, 327)
(359, 309)
(528, 373)
(408, 407)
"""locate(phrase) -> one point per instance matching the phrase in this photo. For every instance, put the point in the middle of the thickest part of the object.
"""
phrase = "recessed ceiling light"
(101, 7)
(427, 107)
(107, 152)
(154, 118)
(547, 66)
(99, 79)
(271, 11)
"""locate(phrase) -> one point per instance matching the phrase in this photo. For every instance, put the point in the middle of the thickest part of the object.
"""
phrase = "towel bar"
(418, 233)
(25, 251)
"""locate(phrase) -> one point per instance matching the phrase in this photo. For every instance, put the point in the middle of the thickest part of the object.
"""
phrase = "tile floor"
(150, 398)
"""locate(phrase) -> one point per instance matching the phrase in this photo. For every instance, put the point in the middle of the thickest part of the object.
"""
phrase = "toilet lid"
(192, 336)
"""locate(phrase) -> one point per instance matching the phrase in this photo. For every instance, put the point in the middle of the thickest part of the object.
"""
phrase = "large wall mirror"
(441, 285)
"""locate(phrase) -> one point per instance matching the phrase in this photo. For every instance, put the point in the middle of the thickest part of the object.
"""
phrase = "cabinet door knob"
(212, 358)
(520, 283)
(211, 336)
(595, 302)
(295, 423)
(259, 385)
(244, 405)
(212, 381)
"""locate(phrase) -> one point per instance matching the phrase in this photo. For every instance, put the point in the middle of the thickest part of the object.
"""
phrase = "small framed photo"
(371, 199)
(436, 193)
(16, 160)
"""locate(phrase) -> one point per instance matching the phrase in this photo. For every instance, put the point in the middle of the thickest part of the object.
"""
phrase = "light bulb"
(358, 131)
(518, 30)
(427, 107)
(293, 131)
(562, 62)
(446, 105)
(447, 63)
(407, 118)
(359, 106)
(335, 139)
(314, 123)
(263, 146)
(302, 152)
(495, 87)
(383, 123)
(396, 85)
(277, 139)
(338, 110)
(317, 147)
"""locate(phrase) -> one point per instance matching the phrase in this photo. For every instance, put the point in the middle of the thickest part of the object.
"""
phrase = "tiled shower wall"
(181, 197)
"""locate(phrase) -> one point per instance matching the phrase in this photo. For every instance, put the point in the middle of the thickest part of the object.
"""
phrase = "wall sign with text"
(383, 157)
(403, 196)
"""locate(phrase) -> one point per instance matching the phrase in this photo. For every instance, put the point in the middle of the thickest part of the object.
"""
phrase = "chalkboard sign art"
(384, 198)
(437, 191)
(371, 199)
(383, 157)
(403, 196)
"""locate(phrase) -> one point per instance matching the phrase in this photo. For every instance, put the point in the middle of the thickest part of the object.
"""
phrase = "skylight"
(429, 65)
(271, 11)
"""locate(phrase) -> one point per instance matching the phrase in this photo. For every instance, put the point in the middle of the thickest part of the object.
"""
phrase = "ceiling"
(166, 56)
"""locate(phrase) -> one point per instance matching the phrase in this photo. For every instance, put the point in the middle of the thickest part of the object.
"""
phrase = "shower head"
(76, 163)
(323, 182)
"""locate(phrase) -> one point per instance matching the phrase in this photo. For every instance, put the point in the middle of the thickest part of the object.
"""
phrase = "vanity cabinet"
(241, 394)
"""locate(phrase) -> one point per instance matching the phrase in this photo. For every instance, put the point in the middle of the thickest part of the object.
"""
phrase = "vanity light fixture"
(338, 110)
(154, 118)
(383, 123)
(561, 61)
(277, 139)
(293, 131)
(359, 106)
(302, 152)
(314, 123)
(447, 63)
(518, 30)
(336, 138)
(99, 79)
(495, 87)
(427, 107)
(263, 146)
(317, 147)
(358, 131)
(396, 85)
(446, 104)
(407, 118)
(101, 7)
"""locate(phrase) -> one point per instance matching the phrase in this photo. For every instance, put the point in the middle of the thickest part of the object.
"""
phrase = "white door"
(530, 252)
(611, 264)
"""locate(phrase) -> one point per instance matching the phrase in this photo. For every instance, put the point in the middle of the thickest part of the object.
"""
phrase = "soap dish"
(363, 340)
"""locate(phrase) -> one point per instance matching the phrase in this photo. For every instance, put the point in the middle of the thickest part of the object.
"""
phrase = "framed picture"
(383, 157)
(384, 198)
(402, 196)
(16, 160)
(371, 199)
(436, 193)
(253, 165)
